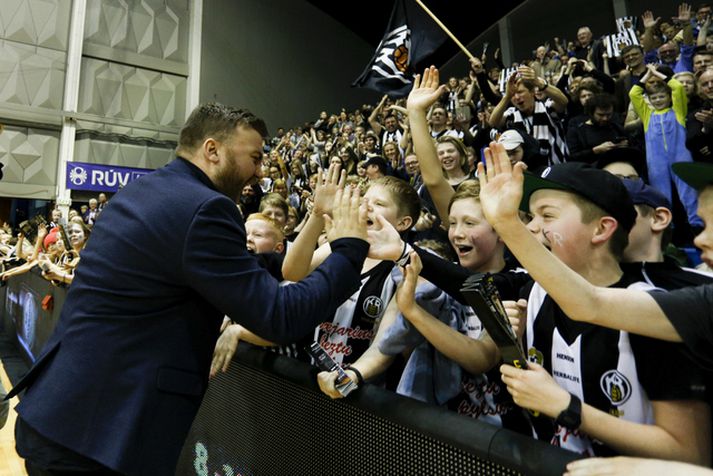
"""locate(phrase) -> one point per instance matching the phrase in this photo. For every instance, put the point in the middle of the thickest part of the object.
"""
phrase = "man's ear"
(209, 150)
(604, 230)
(661, 219)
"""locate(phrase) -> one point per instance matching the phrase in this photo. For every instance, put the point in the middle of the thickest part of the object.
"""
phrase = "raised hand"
(384, 241)
(327, 185)
(500, 185)
(426, 90)
(684, 13)
(405, 294)
(510, 86)
(476, 65)
(349, 216)
(648, 19)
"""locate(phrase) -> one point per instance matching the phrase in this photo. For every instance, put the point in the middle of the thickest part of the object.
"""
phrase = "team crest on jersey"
(615, 386)
(534, 355)
(373, 306)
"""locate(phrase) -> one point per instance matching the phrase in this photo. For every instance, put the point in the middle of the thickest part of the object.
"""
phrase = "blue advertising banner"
(101, 178)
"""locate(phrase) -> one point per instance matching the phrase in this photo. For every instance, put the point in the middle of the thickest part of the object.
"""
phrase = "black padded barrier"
(266, 416)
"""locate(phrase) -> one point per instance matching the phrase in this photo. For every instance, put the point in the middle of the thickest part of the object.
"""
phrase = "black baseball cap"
(642, 194)
(597, 186)
(630, 155)
(696, 174)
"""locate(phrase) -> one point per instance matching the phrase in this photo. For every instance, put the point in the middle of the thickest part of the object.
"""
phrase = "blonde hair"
(279, 234)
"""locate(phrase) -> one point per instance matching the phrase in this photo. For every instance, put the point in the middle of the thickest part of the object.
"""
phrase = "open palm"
(500, 185)
(426, 90)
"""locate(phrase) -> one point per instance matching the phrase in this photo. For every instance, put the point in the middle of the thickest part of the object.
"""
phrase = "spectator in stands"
(699, 122)
(587, 48)
(633, 57)
(414, 172)
(390, 131)
(688, 81)
(92, 213)
(518, 108)
(702, 59)
(103, 202)
(520, 147)
(55, 218)
(375, 168)
(544, 66)
(599, 135)
(664, 125)
(263, 234)
(274, 206)
(668, 53)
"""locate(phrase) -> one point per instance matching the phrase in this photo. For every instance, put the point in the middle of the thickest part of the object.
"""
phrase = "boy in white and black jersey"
(583, 216)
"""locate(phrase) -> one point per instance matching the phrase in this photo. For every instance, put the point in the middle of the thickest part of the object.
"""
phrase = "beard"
(229, 181)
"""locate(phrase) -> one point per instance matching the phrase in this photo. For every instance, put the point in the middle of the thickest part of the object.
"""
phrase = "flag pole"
(446, 30)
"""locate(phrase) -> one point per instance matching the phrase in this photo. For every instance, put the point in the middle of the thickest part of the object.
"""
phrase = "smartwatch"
(571, 417)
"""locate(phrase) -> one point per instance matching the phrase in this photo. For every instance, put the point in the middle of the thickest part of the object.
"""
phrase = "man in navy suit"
(117, 386)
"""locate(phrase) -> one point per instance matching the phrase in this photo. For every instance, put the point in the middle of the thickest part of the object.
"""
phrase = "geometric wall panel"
(147, 156)
(114, 90)
(30, 155)
(153, 28)
(31, 76)
(36, 22)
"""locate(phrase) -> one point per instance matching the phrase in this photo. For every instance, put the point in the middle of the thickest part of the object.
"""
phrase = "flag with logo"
(410, 37)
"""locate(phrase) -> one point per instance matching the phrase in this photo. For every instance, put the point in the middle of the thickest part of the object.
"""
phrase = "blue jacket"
(123, 375)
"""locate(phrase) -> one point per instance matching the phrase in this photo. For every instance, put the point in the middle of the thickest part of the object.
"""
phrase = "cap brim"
(534, 183)
(696, 174)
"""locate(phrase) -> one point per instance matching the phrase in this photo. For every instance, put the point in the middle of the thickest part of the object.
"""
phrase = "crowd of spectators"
(632, 110)
(57, 246)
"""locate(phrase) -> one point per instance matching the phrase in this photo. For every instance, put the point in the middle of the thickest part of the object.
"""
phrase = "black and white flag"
(410, 37)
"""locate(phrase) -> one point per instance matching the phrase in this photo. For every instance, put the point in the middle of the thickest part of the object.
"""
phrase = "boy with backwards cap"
(583, 215)
(627, 309)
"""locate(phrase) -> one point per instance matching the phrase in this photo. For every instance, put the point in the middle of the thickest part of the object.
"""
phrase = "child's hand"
(327, 185)
(405, 294)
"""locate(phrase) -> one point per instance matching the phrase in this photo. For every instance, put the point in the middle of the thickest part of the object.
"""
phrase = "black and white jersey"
(354, 326)
(395, 136)
(594, 363)
(545, 126)
(684, 378)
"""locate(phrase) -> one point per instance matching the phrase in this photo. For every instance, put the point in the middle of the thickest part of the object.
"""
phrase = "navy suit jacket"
(123, 375)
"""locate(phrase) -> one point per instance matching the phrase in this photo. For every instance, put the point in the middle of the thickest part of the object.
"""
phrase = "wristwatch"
(545, 85)
(571, 417)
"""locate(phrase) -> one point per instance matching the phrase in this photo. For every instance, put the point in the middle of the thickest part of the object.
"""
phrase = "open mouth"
(463, 249)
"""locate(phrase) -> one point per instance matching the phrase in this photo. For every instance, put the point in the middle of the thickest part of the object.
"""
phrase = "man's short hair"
(599, 101)
(628, 48)
(590, 212)
(218, 121)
